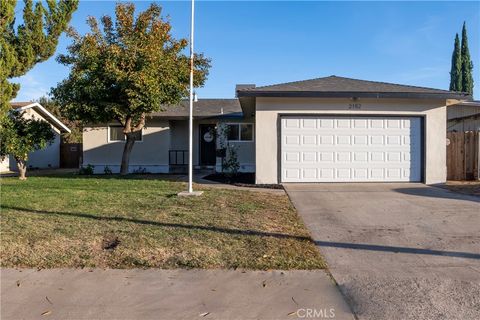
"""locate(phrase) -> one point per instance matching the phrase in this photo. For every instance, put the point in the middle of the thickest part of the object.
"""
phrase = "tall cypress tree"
(456, 71)
(467, 65)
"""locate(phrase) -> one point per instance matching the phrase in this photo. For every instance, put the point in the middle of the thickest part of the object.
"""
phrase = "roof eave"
(46, 114)
(199, 117)
(351, 94)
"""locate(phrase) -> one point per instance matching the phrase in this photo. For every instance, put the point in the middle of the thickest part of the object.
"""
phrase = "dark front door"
(207, 145)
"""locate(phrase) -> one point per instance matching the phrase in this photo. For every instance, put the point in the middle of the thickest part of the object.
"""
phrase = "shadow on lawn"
(116, 176)
(163, 224)
(132, 176)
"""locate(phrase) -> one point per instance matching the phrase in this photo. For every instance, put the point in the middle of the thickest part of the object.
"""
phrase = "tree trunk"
(22, 169)
(126, 153)
(130, 134)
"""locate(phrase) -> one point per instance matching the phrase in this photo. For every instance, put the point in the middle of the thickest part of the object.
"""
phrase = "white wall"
(5, 164)
(48, 157)
(268, 112)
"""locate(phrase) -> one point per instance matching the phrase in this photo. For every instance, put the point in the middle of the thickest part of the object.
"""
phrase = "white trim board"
(56, 121)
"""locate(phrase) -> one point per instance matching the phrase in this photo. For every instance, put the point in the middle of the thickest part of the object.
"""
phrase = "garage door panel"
(292, 140)
(377, 156)
(309, 173)
(360, 140)
(327, 156)
(326, 123)
(292, 123)
(309, 156)
(360, 173)
(309, 123)
(292, 174)
(393, 123)
(328, 149)
(394, 156)
(343, 139)
(292, 157)
(393, 140)
(376, 123)
(343, 156)
(343, 123)
(378, 140)
(328, 139)
(360, 123)
(360, 156)
(309, 139)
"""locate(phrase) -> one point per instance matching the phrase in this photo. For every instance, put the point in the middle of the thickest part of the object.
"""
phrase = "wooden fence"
(463, 150)
(71, 155)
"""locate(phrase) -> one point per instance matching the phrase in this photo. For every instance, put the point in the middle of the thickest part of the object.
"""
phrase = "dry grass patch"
(51, 222)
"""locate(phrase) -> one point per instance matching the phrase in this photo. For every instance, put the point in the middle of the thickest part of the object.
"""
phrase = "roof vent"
(243, 87)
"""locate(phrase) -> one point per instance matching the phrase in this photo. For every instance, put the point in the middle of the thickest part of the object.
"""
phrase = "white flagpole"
(190, 120)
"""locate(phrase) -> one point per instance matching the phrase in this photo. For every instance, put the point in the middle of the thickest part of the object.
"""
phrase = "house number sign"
(208, 137)
(354, 106)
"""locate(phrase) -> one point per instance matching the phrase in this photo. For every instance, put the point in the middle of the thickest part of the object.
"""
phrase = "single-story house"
(464, 116)
(330, 129)
(44, 158)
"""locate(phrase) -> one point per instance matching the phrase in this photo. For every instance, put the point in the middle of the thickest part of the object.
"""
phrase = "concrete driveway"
(397, 251)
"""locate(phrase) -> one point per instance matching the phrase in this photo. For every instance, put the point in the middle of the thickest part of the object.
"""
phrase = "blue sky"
(276, 41)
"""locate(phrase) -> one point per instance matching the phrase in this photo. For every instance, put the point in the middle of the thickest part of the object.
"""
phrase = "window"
(233, 132)
(116, 134)
(246, 132)
(240, 132)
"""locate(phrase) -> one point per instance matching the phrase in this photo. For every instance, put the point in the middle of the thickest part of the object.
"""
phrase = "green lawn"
(70, 221)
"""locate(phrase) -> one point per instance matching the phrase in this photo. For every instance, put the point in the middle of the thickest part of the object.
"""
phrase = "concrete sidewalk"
(169, 294)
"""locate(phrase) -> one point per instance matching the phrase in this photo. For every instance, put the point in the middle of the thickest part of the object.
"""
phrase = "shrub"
(140, 170)
(88, 170)
(107, 170)
(230, 164)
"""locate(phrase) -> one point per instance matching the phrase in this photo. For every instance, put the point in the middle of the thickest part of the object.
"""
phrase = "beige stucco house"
(330, 129)
(48, 157)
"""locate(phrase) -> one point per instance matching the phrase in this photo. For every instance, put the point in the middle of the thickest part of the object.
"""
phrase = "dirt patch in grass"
(465, 187)
(110, 242)
(53, 222)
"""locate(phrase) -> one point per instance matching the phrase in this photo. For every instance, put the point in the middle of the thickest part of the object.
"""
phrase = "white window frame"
(240, 132)
(120, 141)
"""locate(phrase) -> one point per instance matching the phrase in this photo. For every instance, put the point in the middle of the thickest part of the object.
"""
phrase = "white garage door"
(350, 149)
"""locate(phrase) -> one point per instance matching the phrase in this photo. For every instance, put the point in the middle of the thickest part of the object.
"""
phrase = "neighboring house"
(464, 116)
(330, 129)
(44, 158)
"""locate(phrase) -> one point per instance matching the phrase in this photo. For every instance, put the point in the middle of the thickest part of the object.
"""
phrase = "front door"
(207, 145)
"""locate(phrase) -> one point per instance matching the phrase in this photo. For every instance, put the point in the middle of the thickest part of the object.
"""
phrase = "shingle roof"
(203, 108)
(475, 103)
(334, 86)
(16, 105)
